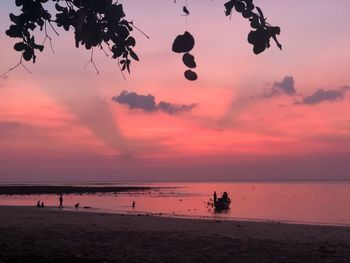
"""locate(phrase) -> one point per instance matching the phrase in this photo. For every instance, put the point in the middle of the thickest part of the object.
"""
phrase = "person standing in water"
(61, 201)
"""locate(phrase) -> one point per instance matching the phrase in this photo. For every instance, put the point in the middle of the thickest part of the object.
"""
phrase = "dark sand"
(51, 235)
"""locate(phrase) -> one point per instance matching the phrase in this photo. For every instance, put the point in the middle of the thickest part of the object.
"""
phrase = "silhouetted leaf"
(28, 54)
(185, 10)
(133, 55)
(20, 46)
(228, 7)
(240, 6)
(19, 2)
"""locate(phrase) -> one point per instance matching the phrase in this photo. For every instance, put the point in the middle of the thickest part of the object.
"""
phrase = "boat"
(222, 203)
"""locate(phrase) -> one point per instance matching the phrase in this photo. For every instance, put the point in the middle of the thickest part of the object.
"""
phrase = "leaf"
(19, 2)
(229, 5)
(134, 55)
(128, 65)
(28, 54)
(185, 10)
(130, 41)
(20, 46)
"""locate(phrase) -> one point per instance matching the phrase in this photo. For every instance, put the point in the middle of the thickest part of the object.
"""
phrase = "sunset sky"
(280, 115)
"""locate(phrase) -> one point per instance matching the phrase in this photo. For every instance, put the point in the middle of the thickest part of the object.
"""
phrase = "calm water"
(306, 202)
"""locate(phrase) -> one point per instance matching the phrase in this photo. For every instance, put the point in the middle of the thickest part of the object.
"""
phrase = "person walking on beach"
(61, 201)
(133, 204)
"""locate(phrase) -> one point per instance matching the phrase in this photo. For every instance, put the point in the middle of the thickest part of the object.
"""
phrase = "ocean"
(324, 203)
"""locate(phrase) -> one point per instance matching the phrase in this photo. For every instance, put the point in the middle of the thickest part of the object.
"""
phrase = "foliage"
(102, 24)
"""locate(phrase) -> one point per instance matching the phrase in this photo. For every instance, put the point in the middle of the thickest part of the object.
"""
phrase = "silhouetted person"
(38, 204)
(225, 197)
(42, 204)
(215, 197)
(133, 204)
(61, 201)
(76, 205)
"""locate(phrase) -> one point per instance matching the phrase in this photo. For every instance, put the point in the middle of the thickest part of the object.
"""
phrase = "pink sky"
(60, 123)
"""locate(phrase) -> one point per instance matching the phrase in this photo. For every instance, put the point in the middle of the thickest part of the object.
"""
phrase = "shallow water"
(296, 202)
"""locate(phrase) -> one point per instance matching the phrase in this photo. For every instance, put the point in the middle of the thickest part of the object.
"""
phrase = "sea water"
(294, 202)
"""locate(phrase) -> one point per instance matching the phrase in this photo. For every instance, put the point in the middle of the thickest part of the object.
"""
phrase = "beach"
(29, 234)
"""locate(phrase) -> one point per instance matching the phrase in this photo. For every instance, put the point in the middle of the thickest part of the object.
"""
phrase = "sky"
(279, 115)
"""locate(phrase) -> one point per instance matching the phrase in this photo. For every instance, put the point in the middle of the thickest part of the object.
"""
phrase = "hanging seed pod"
(183, 43)
(191, 75)
(188, 60)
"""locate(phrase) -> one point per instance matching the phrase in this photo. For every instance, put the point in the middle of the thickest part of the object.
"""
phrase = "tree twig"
(92, 61)
(121, 71)
(20, 63)
(138, 29)
(48, 37)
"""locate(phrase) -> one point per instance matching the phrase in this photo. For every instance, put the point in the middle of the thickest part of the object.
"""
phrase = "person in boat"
(225, 198)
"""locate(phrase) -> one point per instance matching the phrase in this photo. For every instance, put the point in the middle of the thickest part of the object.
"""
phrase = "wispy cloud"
(285, 86)
(7, 125)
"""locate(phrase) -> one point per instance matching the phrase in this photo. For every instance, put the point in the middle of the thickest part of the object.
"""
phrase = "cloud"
(148, 103)
(135, 101)
(286, 86)
(322, 95)
(173, 109)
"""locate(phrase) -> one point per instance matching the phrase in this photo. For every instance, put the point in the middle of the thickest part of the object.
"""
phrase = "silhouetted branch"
(20, 63)
(92, 61)
(54, 30)
(138, 29)
(49, 38)
(121, 70)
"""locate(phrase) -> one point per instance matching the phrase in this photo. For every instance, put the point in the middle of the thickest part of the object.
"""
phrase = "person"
(38, 204)
(42, 204)
(61, 201)
(215, 197)
(225, 198)
(133, 204)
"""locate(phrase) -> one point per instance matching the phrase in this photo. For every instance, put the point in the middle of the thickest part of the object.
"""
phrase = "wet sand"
(29, 234)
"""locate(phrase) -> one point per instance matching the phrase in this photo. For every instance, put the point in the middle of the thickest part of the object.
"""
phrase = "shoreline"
(88, 209)
(29, 234)
(67, 189)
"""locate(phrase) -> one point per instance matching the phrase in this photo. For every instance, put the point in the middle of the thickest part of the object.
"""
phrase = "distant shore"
(29, 234)
(65, 189)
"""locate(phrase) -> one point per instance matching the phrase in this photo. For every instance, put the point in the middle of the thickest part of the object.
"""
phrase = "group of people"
(76, 206)
(40, 204)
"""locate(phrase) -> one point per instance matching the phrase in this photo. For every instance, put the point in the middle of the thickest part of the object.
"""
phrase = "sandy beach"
(29, 234)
